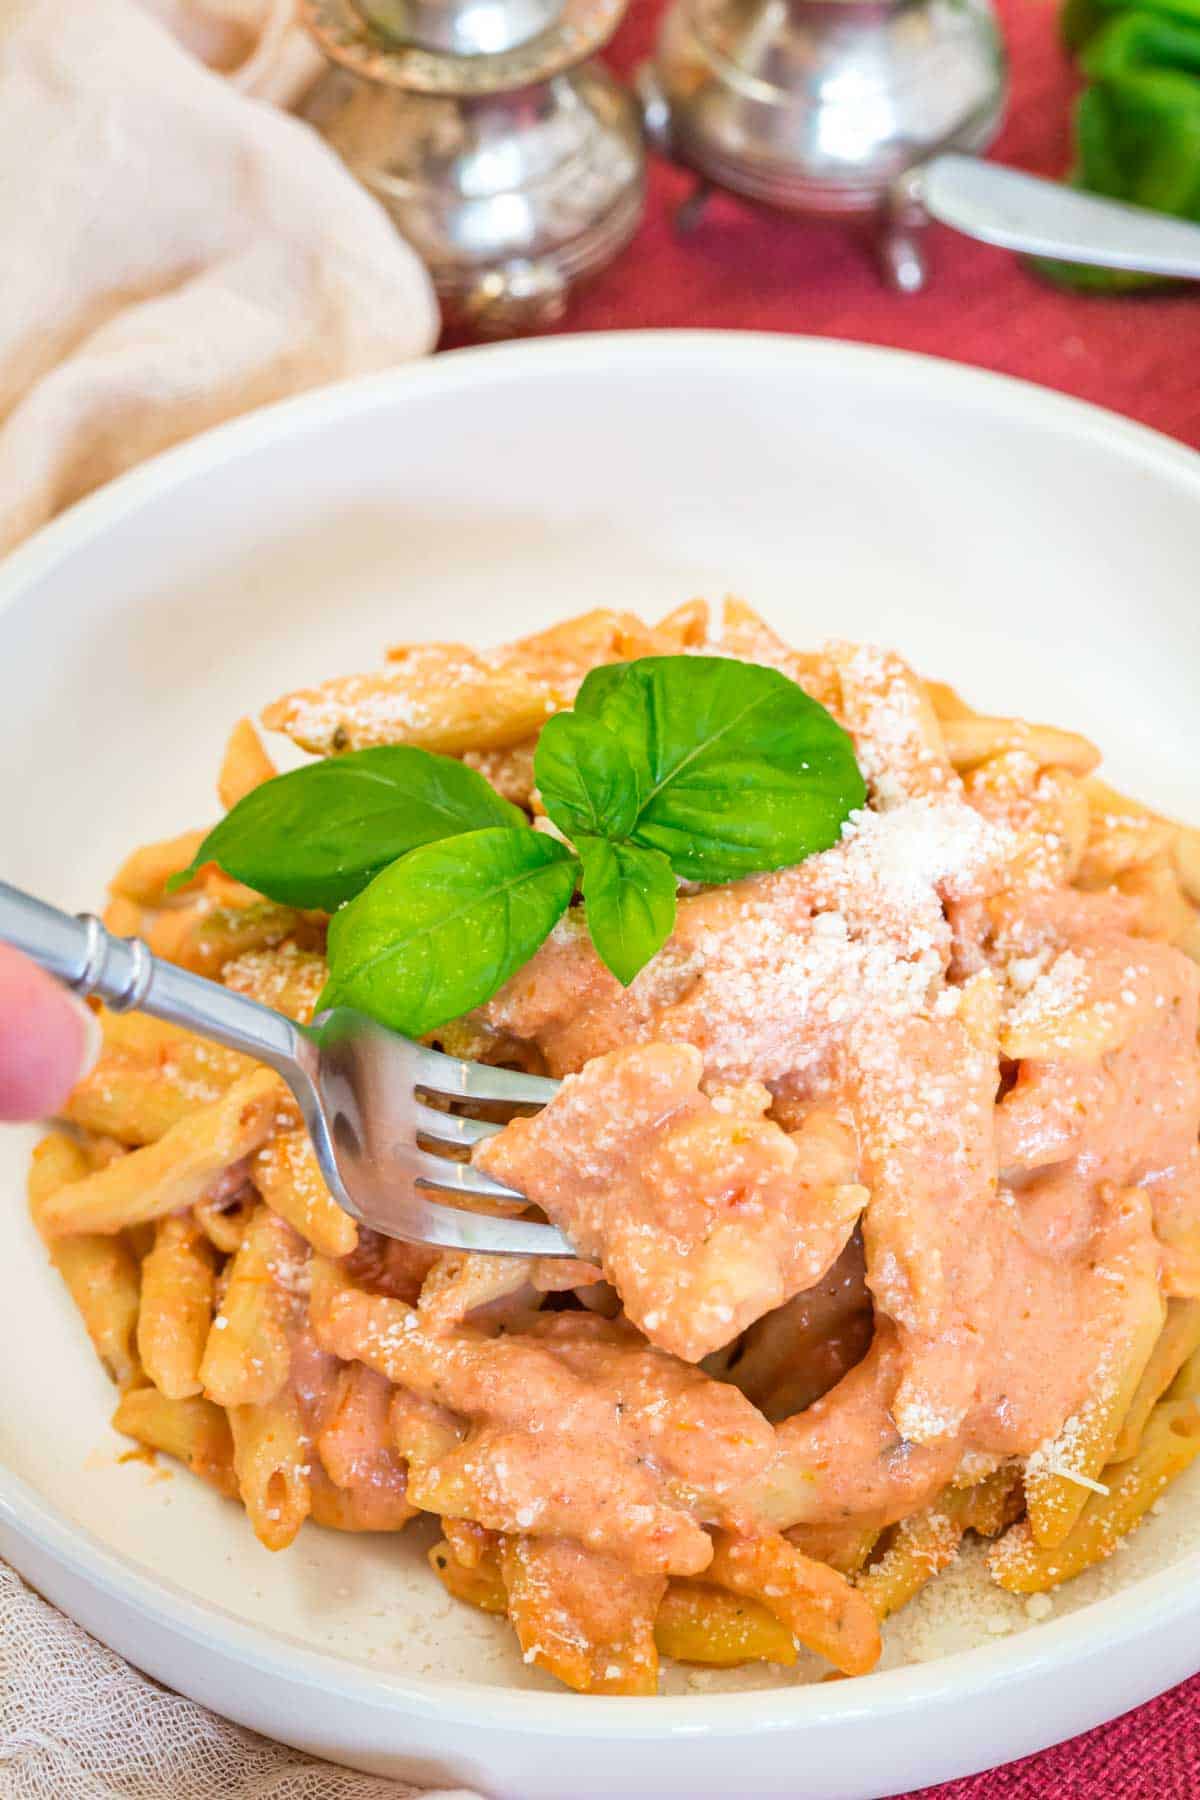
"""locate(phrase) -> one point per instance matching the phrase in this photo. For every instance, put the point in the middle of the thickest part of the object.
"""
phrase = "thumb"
(48, 1039)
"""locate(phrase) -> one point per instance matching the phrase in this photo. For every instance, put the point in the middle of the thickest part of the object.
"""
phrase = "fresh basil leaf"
(739, 770)
(443, 928)
(629, 895)
(585, 777)
(317, 836)
(599, 685)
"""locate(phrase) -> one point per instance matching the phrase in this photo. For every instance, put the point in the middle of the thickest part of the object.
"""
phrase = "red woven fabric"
(1150, 1754)
(744, 268)
(747, 269)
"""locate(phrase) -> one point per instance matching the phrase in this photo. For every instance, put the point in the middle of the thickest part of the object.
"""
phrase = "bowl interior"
(1036, 554)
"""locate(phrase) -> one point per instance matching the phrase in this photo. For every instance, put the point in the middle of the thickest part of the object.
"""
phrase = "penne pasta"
(285, 1173)
(142, 878)
(174, 1172)
(440, 697)
(973, 739)
(1169, 1443)
(205, 937)
(685, 627)
(1178, 1340)
(918, 1548)
(149, 1077)
(479, 1584)
(995, 1502)
(247, 1357)
(585, 1617)
(1056, 1479)
(1164, 909)
(171, 1050)
(818, 1606)
(559, 657)
(100, 1273)
(742, 632)
(844, 1547)
(130, 1099)
(271, 1465)
(244, 766)
(1118, 842)
(178, 1285)
(358, 1454)
(358, 1508)
(282, 976)
(193, 1430)
(946, 702)
(702, 1624)
(223, 1218)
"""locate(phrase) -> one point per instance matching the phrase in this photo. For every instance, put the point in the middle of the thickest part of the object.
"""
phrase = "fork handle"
(123, 973)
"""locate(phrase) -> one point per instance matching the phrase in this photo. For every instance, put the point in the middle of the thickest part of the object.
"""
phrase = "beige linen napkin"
(172, 250)
(256, 44)
(77, 1723)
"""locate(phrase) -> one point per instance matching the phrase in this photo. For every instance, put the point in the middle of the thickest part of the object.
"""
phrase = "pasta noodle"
(921, 1546)
(244, 766)
(174, 1172)
(697, 1622)
(1179, 1338)
(957, 1051)
(247, 1356)
(270, 1462)
(175, 1316)
(1056, 1479)
(285, 1173)
(100, 1273)
(194, 1431)
(1169, 1443)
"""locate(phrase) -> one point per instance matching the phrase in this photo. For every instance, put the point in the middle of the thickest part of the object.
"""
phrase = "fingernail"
(93, 1036)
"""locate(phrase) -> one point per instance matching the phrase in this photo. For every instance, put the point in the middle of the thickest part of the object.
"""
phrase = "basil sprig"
(319, 835)
(727, 768)
(443, 928)
(629, 894)
(692, 767)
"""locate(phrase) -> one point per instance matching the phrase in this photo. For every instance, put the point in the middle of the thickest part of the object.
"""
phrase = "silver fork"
(364, 1091)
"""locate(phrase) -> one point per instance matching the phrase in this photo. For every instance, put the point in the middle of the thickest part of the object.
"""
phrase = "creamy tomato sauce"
(1016, 1068)
(703, 1213)
(575, 1428)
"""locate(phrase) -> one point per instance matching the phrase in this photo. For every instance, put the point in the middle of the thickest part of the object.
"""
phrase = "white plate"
(1040, 554)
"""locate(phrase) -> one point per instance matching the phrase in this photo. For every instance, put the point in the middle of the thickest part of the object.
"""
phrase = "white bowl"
(1040, 554)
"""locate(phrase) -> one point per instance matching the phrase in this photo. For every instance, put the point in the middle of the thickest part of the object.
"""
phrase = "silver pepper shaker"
(510, 161)
(820, 106)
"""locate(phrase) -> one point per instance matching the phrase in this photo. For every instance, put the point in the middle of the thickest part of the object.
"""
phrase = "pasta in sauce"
(883, 1174)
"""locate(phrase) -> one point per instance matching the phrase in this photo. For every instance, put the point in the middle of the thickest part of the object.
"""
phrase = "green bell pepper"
(1137, 123)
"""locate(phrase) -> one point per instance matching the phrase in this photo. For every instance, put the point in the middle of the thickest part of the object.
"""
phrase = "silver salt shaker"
(509, 159)
(819, 107)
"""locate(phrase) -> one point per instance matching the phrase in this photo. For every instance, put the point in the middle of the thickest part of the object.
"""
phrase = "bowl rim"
(1058, 1645)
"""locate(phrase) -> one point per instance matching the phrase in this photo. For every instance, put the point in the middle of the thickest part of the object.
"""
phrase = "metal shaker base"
(527, 294)
(819, 109)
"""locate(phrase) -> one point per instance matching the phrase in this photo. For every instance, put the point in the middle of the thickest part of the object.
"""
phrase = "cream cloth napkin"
(173, 251)
(77, 1723)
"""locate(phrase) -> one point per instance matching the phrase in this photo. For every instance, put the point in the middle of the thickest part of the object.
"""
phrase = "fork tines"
(450, 1078)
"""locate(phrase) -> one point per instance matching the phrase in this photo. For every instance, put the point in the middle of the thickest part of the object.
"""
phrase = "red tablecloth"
(1151, 1754)
(751, 270)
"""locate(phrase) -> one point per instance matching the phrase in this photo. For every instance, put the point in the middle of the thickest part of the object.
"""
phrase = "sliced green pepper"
(1137, 125)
